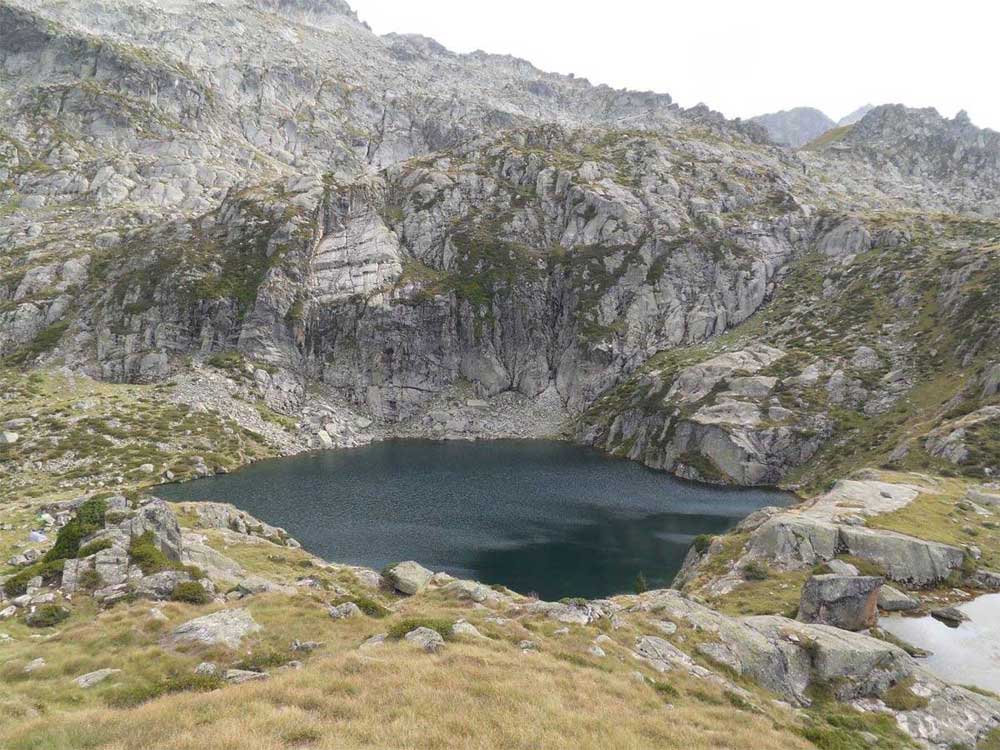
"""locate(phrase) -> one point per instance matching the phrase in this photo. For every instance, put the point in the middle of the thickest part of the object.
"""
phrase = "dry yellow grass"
(469, 696)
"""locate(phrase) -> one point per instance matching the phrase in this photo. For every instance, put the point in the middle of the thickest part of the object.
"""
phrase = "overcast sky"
(740, 57)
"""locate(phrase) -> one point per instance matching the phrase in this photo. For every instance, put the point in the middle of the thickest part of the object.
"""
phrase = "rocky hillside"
(377, 233)
(237, 230)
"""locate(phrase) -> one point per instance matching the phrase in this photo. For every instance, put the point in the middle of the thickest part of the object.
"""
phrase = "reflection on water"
(968, 654)
(537, 516)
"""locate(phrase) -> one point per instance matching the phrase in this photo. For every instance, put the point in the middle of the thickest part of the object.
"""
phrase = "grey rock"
(93, 678)
(467, 629)
(427, 639)
(894, 600)
(841, 568)
(240, 676)
(950, 616)
(847, 602)
(207, 669)
(408, 577)
(345, 611)
(227, 628)
(159, 586)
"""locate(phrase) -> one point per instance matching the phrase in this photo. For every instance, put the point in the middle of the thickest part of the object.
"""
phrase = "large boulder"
(226, 628)
(408, 577)
(846, 602)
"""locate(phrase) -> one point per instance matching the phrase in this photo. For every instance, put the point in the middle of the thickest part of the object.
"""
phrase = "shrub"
(666, 689)
(47, 616)
(133, 695)
(640, 585)
(401, 628)
(191, 592)
(94, 548)
(259, 661)
(756, 571)
(18, 583)
(702, 542)
(366, 604)
(88, 520)
(89, 580)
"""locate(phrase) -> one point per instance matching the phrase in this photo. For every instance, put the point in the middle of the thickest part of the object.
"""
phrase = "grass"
(902, 698)
(939, 514)
(472, 695)
(401, 628)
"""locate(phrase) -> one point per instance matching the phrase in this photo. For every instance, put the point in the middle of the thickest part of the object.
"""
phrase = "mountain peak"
(795, 127)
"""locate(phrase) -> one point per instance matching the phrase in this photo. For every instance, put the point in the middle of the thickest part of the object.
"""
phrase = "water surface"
(538, 516)
(966, 655)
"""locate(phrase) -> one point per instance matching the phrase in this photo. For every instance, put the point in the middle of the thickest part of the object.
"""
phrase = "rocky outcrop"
(832, 525)
(788, 657)
(713, 421)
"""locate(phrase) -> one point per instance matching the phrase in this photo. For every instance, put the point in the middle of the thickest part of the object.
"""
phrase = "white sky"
(740, 57)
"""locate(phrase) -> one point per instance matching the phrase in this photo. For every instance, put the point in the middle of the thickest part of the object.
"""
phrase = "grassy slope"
(474, 694)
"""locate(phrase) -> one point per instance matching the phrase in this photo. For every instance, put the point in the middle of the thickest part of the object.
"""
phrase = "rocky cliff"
(381, 224)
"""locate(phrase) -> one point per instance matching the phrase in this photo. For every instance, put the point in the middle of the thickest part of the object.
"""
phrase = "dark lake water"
(538, 516)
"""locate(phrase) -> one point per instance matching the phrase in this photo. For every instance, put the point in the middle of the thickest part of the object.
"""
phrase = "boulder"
(408, 577)
(345, 611)
(72, 571)
(159, 586)
(846, 602)
(841, 568)
(239, 676)
(893, 600)
(92, 678)
(467, 629)
(471, 591)
(226, 628)
(950, 616)
(259, 585)
(426, 638)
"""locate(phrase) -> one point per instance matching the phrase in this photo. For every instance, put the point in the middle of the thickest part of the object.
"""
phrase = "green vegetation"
(191, 592)
(150, 559)
(399, 629)
(89, 519)
(756, 571)
(902, 698)
(47, 616)
(366, 604)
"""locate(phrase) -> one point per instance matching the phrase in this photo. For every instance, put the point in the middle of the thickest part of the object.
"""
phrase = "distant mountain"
(795, 127)
(856, 115)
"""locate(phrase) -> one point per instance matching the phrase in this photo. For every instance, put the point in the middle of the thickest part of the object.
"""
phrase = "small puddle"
(966, 655)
